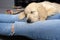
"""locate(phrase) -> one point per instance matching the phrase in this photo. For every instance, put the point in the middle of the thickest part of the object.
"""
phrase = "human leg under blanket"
(49, 30)
(7, 18)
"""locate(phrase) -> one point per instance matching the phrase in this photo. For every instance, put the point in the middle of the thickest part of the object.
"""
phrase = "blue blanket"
(7, 18)
(48, 29)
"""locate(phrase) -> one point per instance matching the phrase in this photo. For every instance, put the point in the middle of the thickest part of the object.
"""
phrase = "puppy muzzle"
(29, 21)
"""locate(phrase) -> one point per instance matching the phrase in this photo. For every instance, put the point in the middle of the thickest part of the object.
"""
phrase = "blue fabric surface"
(5, 29)
(48, 29)
(55, 16)
(7, 18)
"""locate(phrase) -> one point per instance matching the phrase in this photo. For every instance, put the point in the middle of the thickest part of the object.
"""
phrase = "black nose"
(29, 21)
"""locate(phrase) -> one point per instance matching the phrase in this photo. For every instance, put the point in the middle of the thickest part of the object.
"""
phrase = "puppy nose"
(29, 21)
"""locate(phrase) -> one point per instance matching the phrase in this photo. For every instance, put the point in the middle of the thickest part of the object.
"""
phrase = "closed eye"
(32, 12)
(25, 15)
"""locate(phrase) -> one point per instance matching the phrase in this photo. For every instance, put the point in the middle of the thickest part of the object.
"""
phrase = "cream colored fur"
(40, 11)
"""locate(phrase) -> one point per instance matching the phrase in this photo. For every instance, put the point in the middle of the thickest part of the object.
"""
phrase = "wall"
(6, 3)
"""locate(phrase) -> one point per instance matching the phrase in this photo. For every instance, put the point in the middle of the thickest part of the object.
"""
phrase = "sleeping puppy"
(39, 11)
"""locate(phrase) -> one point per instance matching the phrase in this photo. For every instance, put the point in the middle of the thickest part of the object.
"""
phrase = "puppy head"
(31, 13)
(35, 12)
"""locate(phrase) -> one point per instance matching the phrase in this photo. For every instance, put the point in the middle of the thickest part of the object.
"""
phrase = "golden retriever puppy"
(40, 11)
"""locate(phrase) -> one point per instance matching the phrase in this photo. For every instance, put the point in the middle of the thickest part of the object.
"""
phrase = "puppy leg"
(21, 15)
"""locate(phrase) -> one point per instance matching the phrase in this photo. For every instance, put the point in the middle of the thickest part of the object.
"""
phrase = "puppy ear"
(21, 15)
(42, 12)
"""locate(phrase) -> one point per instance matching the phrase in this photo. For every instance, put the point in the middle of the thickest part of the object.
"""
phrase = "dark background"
(24, 3)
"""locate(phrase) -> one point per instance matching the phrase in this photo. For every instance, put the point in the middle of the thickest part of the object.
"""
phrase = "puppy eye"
(25, 15)
(32, 12)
